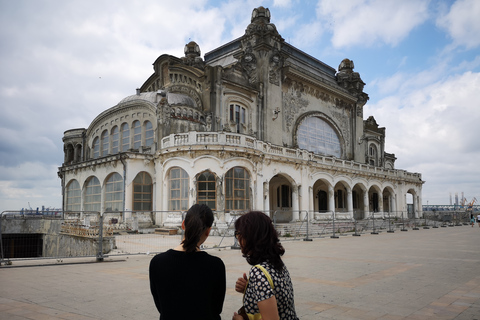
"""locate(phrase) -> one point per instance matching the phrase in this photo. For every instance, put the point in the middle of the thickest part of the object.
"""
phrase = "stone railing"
(243, 141)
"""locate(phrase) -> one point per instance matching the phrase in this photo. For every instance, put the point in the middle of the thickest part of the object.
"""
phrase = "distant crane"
(471, 203)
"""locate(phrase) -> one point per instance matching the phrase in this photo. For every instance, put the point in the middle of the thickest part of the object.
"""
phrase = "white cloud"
(307, 35)
(462, 23)
(33, 183)
(434, 130)
(368, 22)
(282, 3)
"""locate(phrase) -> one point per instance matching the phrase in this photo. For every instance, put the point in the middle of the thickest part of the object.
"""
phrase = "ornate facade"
(256, 124)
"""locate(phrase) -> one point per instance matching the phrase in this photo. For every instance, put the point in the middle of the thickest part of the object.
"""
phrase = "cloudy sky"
(64, 62)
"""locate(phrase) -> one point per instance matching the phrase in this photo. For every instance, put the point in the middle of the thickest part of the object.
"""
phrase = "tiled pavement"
(419, 274)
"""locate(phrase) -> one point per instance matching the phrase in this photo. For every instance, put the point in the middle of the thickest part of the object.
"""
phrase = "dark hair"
(198, 219)
(260, 239)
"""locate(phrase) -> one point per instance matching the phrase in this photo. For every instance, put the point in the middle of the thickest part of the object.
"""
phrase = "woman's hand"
(236, 316)
(241, 284)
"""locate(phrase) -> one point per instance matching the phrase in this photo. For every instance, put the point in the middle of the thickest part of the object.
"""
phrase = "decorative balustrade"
(239, 140)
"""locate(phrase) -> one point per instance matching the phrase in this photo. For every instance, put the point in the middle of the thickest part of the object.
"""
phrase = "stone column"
(394, 204)
(331, 199)
(380, 203)
(266, 197)
(350, 203)
(295, 204)
(366, 205)
(311, 205)
(416, 206)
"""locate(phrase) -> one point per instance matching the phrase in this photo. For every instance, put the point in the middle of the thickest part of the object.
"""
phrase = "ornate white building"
(256, 124)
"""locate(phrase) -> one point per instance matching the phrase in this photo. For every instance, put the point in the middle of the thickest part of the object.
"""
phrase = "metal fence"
(58, 235)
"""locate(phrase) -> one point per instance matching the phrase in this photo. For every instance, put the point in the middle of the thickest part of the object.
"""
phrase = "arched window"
(69, 154)
(96, 148)
(148, 133)
(178, 186)
(206, 189)
(142, 192)
(125, 137)
(238, 115)
(114, 193)
(93, 195)
(105, 143)
(237, 196)
(115, 139)
(78, 152)
(316, 135)
(372, 155)
(137, 135)
(73, 196)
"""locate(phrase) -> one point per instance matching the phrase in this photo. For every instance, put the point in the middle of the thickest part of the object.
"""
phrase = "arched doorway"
(388, 201)
(410, 201)
(321, 198)
(374, 199)
(281, 198)
(341, 194)
(359, 202)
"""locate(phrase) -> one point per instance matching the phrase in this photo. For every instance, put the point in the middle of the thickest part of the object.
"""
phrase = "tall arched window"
(93, 195)
(238, 115)
(69, 153)
(142, 192)
(96, 148)
(206, 189)
(316, 135)
(105, 143)
(372, 155)
(178, 186)
(125, 137)
(148, 133)
(237, 196)
(78, 152)
(115, 139)
(114, 192)
(73, 196)
(137, 134)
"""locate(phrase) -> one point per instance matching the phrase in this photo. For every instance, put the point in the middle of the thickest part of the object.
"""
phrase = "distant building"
(256, 124)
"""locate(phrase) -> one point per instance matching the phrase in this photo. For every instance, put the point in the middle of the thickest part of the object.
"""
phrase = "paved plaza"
(418, 274)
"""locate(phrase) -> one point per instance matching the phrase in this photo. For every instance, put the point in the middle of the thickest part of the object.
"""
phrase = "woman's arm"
(268, 309)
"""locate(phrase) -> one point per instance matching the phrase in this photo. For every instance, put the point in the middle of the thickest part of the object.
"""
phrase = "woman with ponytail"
(187, 283)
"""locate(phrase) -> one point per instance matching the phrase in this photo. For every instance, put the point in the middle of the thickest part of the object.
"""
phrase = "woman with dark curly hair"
(268, 290)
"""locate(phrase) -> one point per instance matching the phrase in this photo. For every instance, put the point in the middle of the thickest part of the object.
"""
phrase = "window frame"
(137, 134)
(178, 183)
(73, 192)
(125, 136)
(115, 136)
(319, 137)
(93, 195)
(114, 192)
(142, 192)
(211, 202)
(149, 133)
(96, 148)
(232, 190)
(105, 143)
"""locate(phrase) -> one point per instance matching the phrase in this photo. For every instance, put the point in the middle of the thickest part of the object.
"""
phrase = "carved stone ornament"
(293, 104)
(276, 63)
(351, 81)
(192, 55)
(249, 64)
